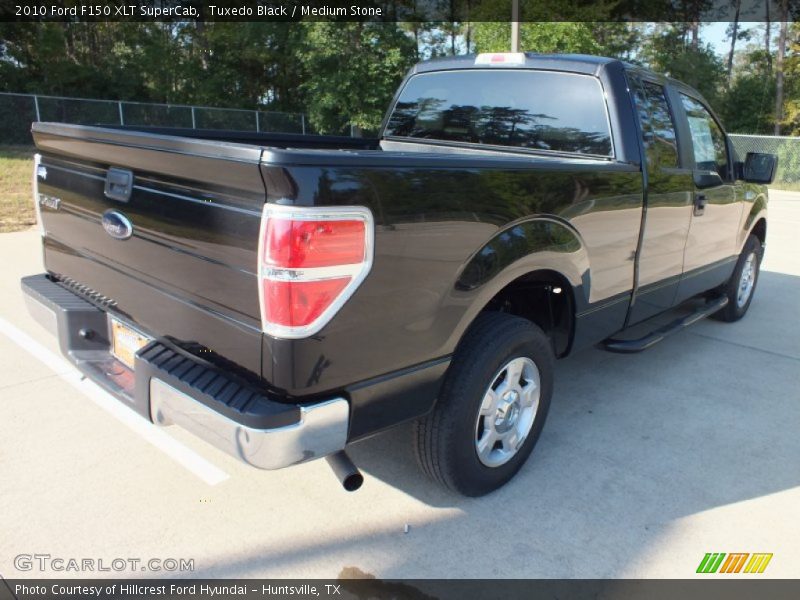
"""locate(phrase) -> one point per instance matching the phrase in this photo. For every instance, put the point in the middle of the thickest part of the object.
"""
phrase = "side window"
(708, 141)
(658, 128)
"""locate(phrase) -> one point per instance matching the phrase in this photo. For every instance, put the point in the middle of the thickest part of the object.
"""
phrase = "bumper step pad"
(208, 384)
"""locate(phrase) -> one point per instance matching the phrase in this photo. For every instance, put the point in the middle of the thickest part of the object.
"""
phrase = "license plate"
(126, 341)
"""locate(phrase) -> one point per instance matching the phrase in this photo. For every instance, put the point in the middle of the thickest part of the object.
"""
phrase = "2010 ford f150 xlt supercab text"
(282, 296)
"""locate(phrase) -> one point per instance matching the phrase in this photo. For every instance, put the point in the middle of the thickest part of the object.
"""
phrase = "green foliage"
(337, 72)
(791, 119)
(616, 40)
(351, 71)
(347, 72)
(236, 65)
(748, 105)
(94, 59)
(537, 37)
(669, 51)
(619, 40)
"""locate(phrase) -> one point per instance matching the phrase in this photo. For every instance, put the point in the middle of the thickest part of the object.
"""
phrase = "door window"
(658, 128)
(708, 141)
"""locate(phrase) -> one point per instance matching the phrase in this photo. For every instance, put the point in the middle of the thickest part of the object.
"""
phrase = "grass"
(794, 186)
(16, 202)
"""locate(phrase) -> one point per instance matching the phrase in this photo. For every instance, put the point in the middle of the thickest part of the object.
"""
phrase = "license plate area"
(126, 341)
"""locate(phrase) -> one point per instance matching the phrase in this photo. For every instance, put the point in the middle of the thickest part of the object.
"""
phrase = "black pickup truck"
(282, 296)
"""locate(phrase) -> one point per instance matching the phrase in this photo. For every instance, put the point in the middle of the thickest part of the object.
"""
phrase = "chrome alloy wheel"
(507, 412)
(747, 280)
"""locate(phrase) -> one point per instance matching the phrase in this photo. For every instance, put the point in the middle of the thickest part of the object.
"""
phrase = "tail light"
(310, 261)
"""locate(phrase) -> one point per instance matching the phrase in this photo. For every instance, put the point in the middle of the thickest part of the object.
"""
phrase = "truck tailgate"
(187, 271)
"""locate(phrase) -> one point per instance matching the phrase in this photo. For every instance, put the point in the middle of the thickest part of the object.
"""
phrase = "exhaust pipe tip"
(353, 482)
(346, 472)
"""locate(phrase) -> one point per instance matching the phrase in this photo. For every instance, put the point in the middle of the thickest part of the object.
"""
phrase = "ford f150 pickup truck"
(282, 296)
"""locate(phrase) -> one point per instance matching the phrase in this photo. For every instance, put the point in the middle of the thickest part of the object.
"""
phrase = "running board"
(651, 339)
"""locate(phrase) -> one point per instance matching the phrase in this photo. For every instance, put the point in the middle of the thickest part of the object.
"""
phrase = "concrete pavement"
(647, 462)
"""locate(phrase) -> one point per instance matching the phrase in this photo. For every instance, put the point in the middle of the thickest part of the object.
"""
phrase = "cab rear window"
(537, 110)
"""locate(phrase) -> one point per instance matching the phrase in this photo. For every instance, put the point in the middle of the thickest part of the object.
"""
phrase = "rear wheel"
(742, 285)
(491, 408)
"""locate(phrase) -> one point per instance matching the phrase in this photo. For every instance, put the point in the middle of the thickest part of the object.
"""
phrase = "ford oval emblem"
(117, 225)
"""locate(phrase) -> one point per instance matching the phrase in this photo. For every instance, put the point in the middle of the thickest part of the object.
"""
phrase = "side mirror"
(759, 168)
(706, 179)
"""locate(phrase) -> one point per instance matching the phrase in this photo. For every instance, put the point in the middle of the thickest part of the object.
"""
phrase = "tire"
(493, 350)
(739, 296)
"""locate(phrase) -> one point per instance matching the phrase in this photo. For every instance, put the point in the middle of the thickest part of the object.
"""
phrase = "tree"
(99, 59)
(619, 40)
(616, 40)
(767, 31)
(670, 50)
(733, 31)
(351, 71)
(746, 106)
(784, 16)
(573, 37)
(791, 118)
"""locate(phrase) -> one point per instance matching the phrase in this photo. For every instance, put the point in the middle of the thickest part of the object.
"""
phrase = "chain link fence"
(18, 111)
(786, 148)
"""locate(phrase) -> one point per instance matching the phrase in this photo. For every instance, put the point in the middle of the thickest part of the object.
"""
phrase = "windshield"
(539, 110)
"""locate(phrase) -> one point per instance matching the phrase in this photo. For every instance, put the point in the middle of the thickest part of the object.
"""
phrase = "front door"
(711, 246)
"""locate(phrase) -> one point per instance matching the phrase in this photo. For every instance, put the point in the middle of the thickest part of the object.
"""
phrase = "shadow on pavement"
(704, 419)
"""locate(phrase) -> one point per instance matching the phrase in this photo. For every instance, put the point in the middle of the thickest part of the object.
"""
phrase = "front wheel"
(491, 408)
(740, 287)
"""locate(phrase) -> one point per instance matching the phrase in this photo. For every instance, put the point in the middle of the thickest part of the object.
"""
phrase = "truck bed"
(260, 139)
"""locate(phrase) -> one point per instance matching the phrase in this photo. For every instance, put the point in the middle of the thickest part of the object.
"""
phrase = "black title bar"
(397, 10)
(711, 587)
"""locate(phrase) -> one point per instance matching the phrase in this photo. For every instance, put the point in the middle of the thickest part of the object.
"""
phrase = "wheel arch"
(760, 230)
(756, 221)
(546, 298)
(543, 256)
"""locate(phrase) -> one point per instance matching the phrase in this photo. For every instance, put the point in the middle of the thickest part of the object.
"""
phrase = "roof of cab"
(573, 63)
(577, 63)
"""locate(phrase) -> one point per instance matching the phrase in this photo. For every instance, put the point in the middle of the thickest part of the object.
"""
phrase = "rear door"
(668, 201)
(162, 230)
(717, 208)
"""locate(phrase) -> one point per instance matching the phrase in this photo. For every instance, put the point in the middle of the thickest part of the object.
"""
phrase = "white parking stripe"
(184, 456)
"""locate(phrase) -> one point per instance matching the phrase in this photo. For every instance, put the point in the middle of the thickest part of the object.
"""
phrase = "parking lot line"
(183, 455)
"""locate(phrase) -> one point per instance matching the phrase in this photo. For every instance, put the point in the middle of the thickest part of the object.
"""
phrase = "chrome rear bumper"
(322, 429)
(170, 386)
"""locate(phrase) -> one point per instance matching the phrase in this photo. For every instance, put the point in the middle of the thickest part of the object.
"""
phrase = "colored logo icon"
(736, 562)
